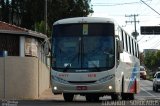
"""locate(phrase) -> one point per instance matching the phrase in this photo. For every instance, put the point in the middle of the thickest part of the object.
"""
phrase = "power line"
(156, 45)
(116, 4)
(151, 7)
(142, 11)
(152, 44)
(151, 38)
(141, 38)
(103, 4)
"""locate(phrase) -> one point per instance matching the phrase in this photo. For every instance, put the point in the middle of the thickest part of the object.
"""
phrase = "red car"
(143, 73)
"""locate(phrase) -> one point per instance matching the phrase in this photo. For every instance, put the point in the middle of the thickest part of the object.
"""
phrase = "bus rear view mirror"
(46, 48)
(120, 46)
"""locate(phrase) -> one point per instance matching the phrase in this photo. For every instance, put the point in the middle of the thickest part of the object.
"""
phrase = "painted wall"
(1, 77)
(24, 77)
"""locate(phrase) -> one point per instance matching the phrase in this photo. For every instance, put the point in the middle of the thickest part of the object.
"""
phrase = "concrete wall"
(44, 77)
(25, 78)
(1, 77)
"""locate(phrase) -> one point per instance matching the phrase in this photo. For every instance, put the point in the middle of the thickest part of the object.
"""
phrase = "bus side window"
(117, 49)
(126, 41)
(122, 39)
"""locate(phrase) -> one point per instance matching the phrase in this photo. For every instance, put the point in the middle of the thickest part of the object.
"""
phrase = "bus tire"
(128, 96)
(131, 96)
(68, 97)
(156, 89)
(122, 84)
(116, 96)
(153, 88)
(124, 96)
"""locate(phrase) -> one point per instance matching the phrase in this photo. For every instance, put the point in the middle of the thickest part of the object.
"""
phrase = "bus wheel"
(124, 96)
(116, 96)
(128, 96)
(156, 89)
(131, 96)
(68, 97)
(153, 88)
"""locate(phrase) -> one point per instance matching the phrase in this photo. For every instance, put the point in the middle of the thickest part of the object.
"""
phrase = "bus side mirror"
(46, 48)
(120, 46)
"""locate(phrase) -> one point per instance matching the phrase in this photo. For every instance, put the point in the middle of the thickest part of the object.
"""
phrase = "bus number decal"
(63, 75)
(91, 75)
(85, 29)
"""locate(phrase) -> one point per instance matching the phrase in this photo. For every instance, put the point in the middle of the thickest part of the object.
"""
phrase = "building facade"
(24, 71)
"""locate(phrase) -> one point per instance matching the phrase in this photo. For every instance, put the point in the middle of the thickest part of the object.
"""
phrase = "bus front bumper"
(106, 87)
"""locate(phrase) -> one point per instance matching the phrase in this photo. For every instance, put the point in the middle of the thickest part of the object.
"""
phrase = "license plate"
(81, 87)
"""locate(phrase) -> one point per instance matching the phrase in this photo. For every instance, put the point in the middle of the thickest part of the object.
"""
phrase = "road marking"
(148, 92)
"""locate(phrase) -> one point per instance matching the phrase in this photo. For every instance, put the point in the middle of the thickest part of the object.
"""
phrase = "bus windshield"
(74, 50)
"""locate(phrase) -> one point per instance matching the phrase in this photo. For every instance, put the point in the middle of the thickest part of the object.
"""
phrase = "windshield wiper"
(66, 68)
(69, 64)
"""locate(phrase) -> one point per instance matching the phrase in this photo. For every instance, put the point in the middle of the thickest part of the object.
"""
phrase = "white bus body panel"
(125, 72)
(95, 87)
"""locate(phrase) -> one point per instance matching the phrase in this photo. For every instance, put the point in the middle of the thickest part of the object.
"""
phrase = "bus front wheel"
(116, 96)
(128, 96)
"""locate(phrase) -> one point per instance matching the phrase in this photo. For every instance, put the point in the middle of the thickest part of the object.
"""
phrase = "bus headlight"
(55, 88)
(110, 87)
(104, 79)
(59, 80)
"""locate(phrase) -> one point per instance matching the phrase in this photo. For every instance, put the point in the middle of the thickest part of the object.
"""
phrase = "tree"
(1, 9)
(152, 60)
(40, 27)
(5, 7)
(158, 59)
(33, 12)
(58, 9)
(26, 13)
(12, 10)
(149, 60)
(141, 56)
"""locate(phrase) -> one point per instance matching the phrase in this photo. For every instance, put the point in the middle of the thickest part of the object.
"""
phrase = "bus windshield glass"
(79, 46)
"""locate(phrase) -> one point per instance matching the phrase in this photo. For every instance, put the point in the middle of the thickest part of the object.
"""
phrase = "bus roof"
(84, 20)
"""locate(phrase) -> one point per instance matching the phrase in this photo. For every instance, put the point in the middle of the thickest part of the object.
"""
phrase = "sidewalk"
(48, 95)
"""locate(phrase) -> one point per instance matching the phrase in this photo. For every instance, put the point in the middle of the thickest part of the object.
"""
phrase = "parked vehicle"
(143, 73)
(156, 81)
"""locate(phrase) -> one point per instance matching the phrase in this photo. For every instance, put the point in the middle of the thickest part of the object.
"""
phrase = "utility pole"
(135, 33)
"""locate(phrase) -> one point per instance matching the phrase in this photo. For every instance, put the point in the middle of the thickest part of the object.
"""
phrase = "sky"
(119, 9)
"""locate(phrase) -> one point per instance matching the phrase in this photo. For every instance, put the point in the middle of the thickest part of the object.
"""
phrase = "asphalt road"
(146, 97)
(147, 92)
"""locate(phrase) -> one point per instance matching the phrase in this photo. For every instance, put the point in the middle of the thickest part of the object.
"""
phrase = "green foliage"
(152, 60)
(59, 9)
(28, 13)
(33, 12)
(141, 58)
(5, 6)
(40, 27)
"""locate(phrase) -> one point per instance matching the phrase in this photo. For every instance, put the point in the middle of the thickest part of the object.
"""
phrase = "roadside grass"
(149, 77)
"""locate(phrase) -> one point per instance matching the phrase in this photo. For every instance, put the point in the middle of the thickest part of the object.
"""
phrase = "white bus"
(93, 57)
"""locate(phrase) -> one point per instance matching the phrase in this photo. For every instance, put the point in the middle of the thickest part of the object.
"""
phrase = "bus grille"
(81, 82)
